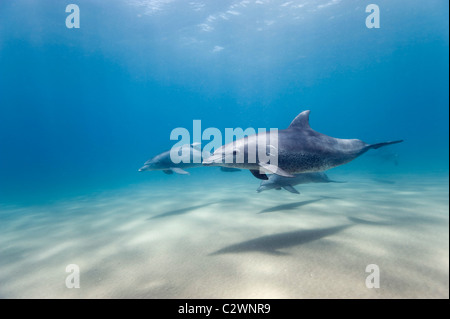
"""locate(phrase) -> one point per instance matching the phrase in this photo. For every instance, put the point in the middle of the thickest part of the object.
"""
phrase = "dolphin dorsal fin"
(301, 121)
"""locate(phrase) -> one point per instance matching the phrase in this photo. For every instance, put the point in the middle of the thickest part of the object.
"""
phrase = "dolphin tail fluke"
(378, 145)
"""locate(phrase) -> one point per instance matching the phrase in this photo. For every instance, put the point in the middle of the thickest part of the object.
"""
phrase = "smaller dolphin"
(163, 162)
(277, 182)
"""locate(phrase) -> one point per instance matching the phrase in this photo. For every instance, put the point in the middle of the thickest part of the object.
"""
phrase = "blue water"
(82, 109)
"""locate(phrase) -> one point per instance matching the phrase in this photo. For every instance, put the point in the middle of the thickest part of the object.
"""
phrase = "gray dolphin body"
(277, 182)
(300, 149)
(164, 163)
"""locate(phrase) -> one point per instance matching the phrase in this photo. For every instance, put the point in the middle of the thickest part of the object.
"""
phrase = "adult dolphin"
(299, 149)
(277, 182)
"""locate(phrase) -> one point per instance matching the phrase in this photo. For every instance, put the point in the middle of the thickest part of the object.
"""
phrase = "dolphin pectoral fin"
(179, 171)
(275, 170)
(291, 189)
(258, 175)
(168, 171)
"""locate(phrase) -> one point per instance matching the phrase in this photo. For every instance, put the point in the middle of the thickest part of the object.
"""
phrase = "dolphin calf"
(288, 183)
(164, 163)
(299, 149)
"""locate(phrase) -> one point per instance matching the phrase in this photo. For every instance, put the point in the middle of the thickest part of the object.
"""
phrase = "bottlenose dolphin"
(299, 149)
(164, 163)
(277, 182)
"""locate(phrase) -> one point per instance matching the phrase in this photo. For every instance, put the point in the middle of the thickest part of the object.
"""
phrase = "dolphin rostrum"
(299, 149)
(277, 182)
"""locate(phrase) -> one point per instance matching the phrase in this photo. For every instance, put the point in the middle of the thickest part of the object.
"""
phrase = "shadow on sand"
(180, 211)
(271, 244)
(293, 205)
(357, 220)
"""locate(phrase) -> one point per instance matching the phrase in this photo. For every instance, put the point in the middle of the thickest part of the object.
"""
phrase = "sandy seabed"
(224, 240)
